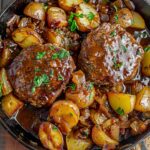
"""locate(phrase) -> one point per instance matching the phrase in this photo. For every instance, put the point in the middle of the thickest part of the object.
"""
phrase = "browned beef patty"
(110, 54)
(40, 73)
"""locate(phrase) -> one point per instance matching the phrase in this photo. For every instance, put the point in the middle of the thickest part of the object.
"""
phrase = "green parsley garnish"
(0, 90)
(86, 1)
(37, 69)
(40, 55)
(90, 16)
(55, 128)
(90, 86)
(72, 86)
(116, 18)
(61, 54)
(51, 73)
(124, 48)
(146, 49)
(116, 64)
(60, 77)
(120, 111)
(113, 33)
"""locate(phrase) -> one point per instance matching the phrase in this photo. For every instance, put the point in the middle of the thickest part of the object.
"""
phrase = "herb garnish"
(113, 33)
(40, 55)
(124, 48)
(0, 90)
(90, 16)
(116, 64)
(61, 54)
(91, 95)
(120, 111)
(90, 86)
(115, 7)
(116, 18)
(51, 73)
(72, 86)
(60, 77)
(86, 1)
(52, 47)
(37, 69)
(55, 128)
(146, 49)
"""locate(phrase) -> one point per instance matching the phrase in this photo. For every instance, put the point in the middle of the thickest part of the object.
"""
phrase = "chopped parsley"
(60, 77)
(61, 54)
(113, 33)
(146, 49)
(72, 86)
(86, 1)
(116, 18)
(120, 111)
(52, 47)
(51, 73)
(116, 64)
(0, 90)
(90, 16)
(55, 128)
(90, 86)
(40, 55)
(124, 48)
(37, 69)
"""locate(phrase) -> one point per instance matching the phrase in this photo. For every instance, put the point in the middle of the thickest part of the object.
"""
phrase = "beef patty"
(40, 73)
(110, 54)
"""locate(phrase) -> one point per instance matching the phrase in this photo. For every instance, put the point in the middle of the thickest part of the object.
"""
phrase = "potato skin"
(65, 114)
(35, 10)
(90, 19)
(143, 100)
(50, 136)
(10, 105)
(146, 64)
(56, 17)
(68, 5)
(26, 37)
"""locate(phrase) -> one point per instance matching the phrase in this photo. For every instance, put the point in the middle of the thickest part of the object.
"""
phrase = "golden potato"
(74, 143)
(68, 5)
(100, 138)
(146, 62)
(56, 17)
(89, 19)
(121, 103)
(138, 21)
(123, 17)
(65, 114)
(26, 37)
(35, 10)
(10, 105)
(5, 86)
(50, 136)
(143, 100)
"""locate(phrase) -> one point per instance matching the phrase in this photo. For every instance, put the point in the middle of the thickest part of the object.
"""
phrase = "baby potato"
(121, 103)
(50, 136)
(146, 63)
(26, 37)
(10, 105)
(65, 114)
(74, 143)
(90, 19)
(56, 17)
(123, 17)
(5, 86)
(68, 5)
(35, 10)
(100, 138)
(143, 100)
(138, 21)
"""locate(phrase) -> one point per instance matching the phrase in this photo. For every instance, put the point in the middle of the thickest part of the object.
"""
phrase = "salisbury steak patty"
(40, 73)
(109, 54)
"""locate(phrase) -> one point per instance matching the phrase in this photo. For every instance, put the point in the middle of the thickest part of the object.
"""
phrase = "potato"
(35, 10)
(68, 5)
(121, 103)
(100, 138)
(77, 143)
(26, 37)
(90, 19)
(5, 87)
(123, 17)
(50, 136)
(138, 21)
(10, 105)
(56, 17)
(143, 100)
(146, 63)
(65, 114)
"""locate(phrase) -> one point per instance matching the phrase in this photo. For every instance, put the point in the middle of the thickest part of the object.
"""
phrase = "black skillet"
(28, 140)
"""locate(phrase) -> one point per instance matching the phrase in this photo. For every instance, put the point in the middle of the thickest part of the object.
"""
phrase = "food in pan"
(83, 66)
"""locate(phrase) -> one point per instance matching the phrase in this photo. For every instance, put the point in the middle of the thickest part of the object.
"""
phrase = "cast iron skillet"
(28, 140)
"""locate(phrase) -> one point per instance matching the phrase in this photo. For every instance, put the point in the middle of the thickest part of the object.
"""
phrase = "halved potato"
(35, 10)
(68, 5)
(146, 63)
(5, 86)
(121, 103)
(26, 37)
(65, 114)
(138, 21)
(90, 19)
(100, 138)
(56, 17)
(50, 136)
(10, 105)
(143, 100)
(74, 143)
